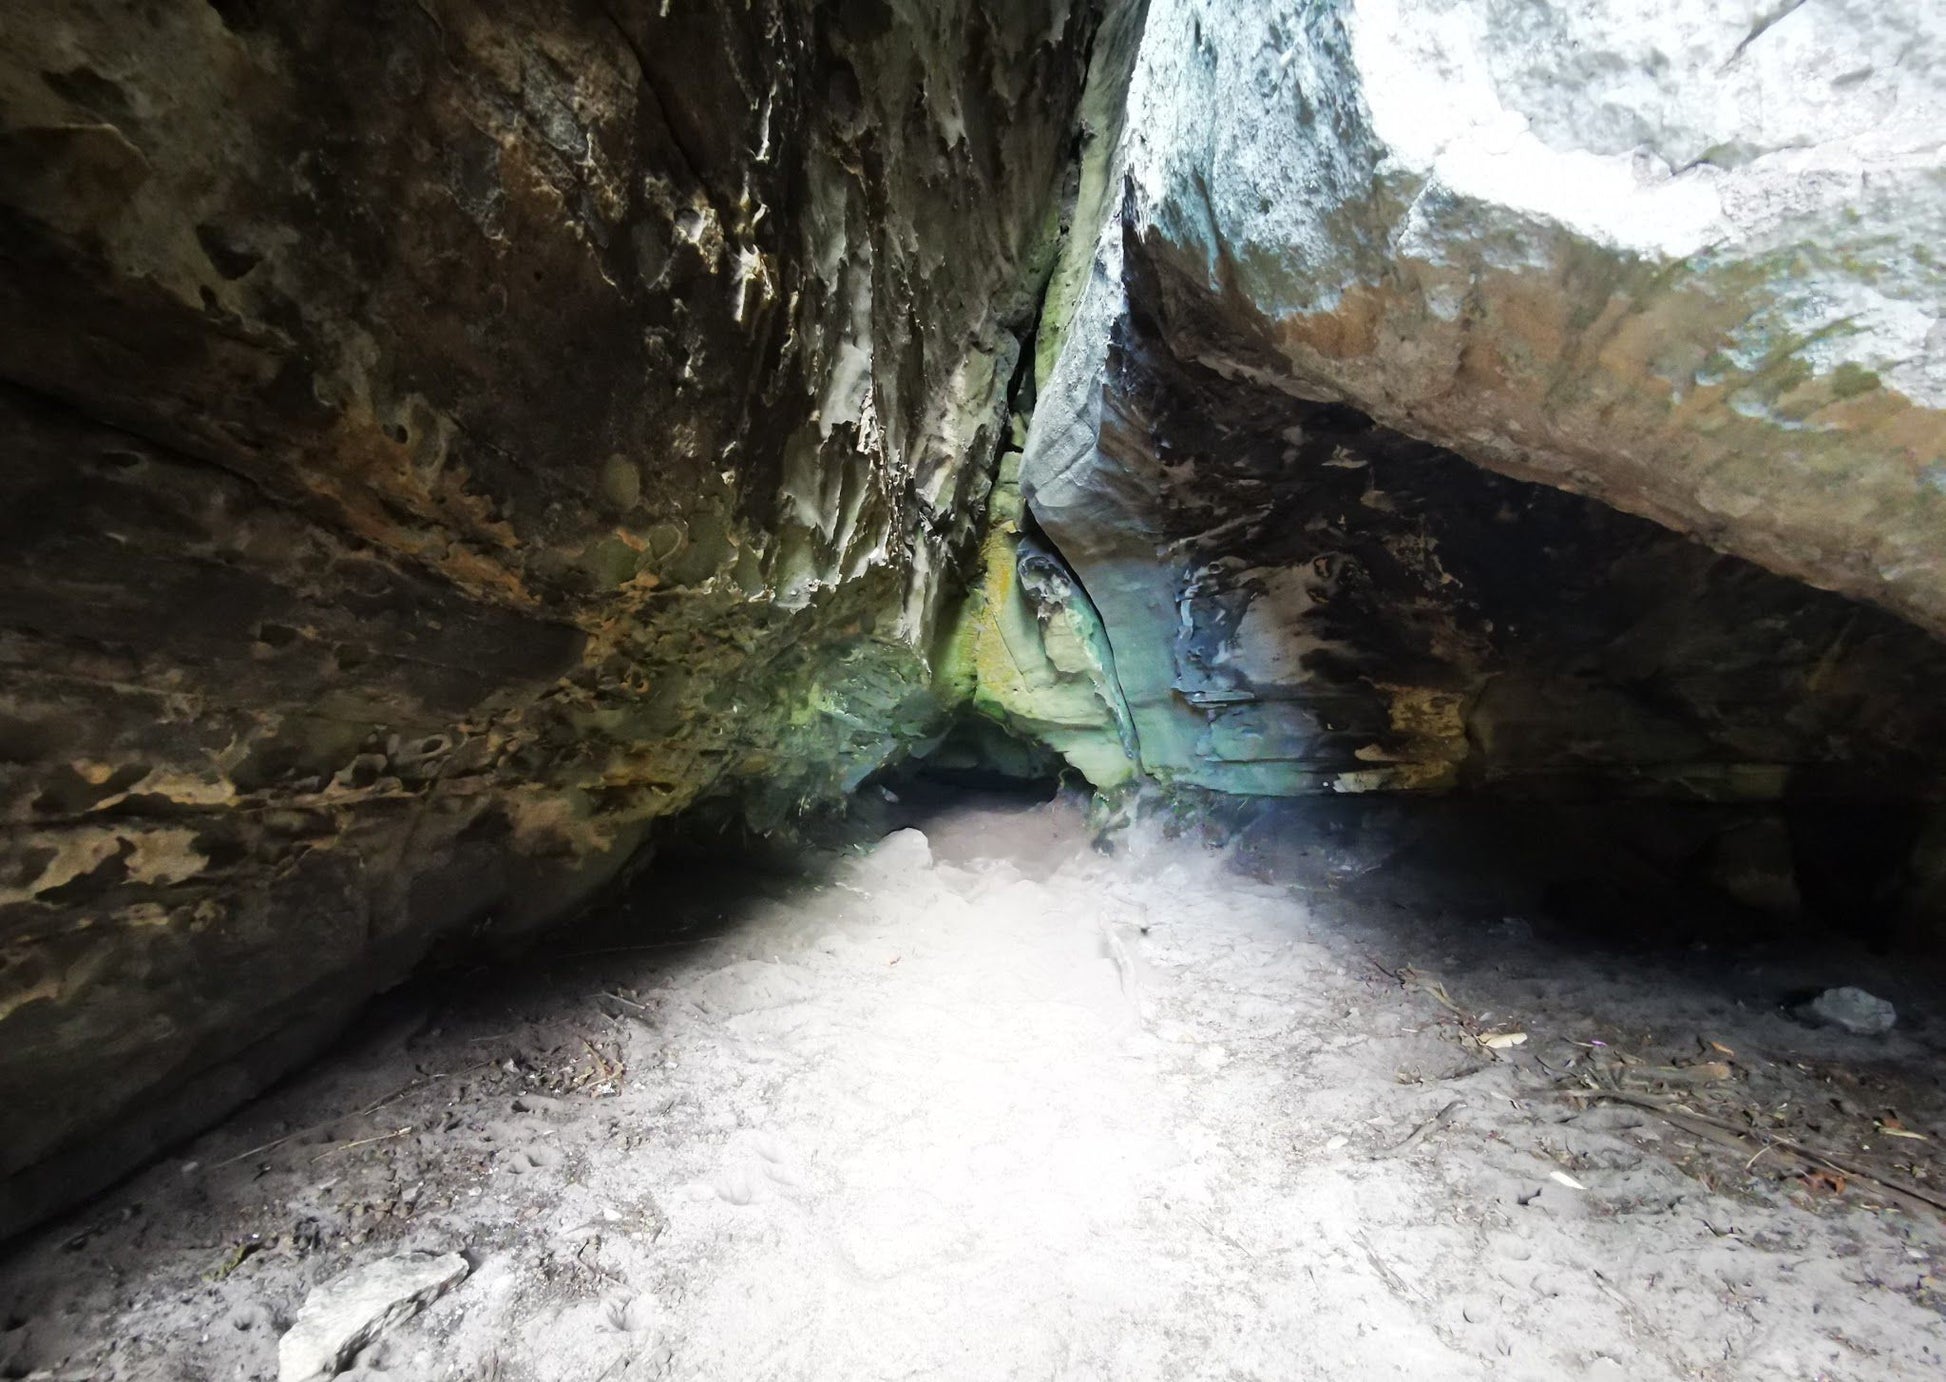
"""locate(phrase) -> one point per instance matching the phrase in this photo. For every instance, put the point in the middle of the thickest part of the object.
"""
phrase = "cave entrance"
(978, 755)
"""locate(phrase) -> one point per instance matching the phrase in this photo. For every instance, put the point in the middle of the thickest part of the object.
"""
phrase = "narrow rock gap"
(1173, 689)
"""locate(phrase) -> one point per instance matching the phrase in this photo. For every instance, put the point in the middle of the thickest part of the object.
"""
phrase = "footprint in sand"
(774, 1159)
(736, 1185)
(535, 1156)
(767, 1166)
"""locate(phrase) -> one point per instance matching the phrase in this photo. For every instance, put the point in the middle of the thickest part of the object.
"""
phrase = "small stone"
(1852, 1009)
(905, 849)
(345, 1314)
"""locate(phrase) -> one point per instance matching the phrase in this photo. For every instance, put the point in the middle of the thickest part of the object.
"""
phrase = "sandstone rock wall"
(1351, 258)
(442, 439)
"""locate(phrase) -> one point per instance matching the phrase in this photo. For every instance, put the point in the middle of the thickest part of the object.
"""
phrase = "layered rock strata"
(1361, 274)
(442, 440)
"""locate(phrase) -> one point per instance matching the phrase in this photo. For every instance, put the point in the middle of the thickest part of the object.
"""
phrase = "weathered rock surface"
(1354, 258)
(347, 1314)
(443, 439)
(1299, 599)
(1680, 258)
(1030, 653)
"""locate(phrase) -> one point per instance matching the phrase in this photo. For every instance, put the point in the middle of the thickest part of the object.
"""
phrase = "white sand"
(1027, 1111)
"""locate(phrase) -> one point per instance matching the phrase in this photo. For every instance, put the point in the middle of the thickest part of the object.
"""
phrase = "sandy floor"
(993, 1105)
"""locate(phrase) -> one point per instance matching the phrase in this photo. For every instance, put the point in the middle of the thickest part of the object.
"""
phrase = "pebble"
(1851, 1009)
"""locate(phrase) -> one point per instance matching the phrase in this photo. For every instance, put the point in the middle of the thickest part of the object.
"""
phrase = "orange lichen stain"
(1892, 418)
(160, 857)
(1621, 384)
(1401, 777)
(76, 854)
(185, 789)
(1349, 330)
(1432, 722)
(164, 856)
(1424, 710)
(384, 482)
(143, 914)
(545, 822)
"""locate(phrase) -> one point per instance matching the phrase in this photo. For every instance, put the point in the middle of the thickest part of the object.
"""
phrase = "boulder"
(1460, 395)
(443, 441)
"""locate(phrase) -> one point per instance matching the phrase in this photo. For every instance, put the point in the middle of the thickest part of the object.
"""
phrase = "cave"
(972, 688)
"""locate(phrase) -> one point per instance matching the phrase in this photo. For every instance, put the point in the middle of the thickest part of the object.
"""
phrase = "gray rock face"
(1299, 600)
(1364, 272)
(1678, 258)
(443, 440)
(346, 1314)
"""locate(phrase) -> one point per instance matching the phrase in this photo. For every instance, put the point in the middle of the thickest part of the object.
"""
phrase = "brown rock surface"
(442, 439)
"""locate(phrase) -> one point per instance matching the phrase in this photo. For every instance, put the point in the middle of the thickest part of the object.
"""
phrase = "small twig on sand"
(364, 1112)
(626, 1002)
(418, 1083)
(1418, 1134)
(1704, 1125)
(361, 1142)
(1397, 1284)
(269, 1146)
(605, 1068)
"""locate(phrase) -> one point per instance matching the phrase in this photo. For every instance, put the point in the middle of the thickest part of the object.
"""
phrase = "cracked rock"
(346, 1314)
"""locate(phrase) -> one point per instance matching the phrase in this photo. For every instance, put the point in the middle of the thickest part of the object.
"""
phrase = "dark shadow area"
(1629, 874)
(980, 755)
(1705, 902)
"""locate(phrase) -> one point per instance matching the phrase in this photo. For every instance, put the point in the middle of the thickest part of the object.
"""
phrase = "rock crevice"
(446, 440)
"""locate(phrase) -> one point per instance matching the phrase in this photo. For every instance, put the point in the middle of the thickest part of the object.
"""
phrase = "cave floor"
(998, 1105)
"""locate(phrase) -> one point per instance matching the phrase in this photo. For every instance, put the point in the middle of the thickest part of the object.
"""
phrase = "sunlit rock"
(1349, 260)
